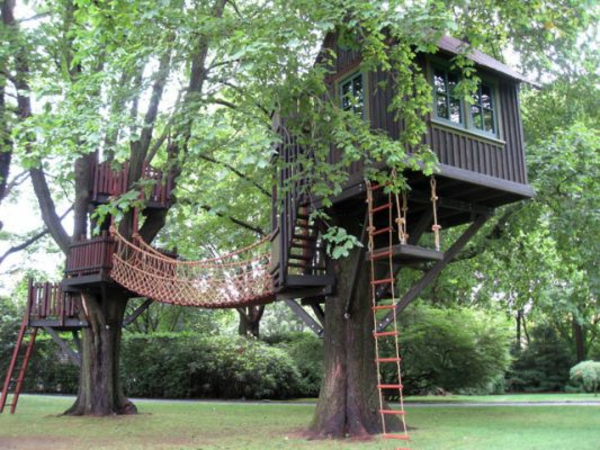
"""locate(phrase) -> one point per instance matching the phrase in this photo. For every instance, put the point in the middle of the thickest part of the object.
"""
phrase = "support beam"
(74, 357)
(319, 313)
(432, 273)
(306, 317)
(138, 311)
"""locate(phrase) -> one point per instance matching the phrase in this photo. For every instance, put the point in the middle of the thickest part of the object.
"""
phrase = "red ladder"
(385, 257)
(13, 366)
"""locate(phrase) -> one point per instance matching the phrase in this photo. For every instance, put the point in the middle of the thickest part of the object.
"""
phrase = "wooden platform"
(407, 254)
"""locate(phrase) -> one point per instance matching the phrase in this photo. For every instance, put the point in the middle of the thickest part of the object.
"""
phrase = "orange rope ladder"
(386, 256)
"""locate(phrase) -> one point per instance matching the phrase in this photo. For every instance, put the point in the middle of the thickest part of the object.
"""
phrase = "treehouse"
(479, 146)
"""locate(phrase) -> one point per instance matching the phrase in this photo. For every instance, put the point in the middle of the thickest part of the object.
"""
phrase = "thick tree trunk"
(348, 402)
(250, 320)
(100, 390)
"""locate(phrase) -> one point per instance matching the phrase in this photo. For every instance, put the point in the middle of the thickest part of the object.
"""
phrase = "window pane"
(488, 120)
(442, 107)
(439, 82)
(346, 93)
(359, 98)
(455, 115)
(486, 97)
(476, 114)
(452, 82)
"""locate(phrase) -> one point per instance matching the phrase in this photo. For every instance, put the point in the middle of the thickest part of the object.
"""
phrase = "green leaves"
(339, 242)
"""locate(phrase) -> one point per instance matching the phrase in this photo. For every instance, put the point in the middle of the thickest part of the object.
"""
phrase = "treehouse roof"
(455, 46)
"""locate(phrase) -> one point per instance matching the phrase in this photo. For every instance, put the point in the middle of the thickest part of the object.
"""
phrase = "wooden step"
(304, 237)
(302, 257)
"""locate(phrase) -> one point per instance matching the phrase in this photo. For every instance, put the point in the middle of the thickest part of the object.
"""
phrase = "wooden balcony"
(107, 182)
(89, 262)
(49, 306)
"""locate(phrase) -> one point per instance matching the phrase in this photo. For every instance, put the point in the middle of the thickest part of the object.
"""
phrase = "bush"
(588, 373)
(306, 350)
(452, 349)
(543, 366)
(190, 366)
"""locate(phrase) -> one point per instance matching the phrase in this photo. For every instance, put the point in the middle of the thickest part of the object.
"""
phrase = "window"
(480, 116)
(447, 104)
(482, 109)
(352, 94)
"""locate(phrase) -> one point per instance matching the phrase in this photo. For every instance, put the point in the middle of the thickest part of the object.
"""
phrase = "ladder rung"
(380, 255)
(391, 411)
(380, 307)
(383, 281)
(381, 208)
(390, 386)
(381, 231)
(385, 333)
(403, 437)
(375, 187)
(386, 360)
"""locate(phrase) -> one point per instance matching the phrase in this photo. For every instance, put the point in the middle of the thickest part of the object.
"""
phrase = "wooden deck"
(48, 305)
(107, 181)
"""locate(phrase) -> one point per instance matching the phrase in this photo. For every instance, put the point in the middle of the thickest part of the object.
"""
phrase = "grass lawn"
(207, 426)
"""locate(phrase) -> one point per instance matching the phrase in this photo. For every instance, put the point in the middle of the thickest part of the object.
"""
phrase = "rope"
(239, 278)
(435, 227)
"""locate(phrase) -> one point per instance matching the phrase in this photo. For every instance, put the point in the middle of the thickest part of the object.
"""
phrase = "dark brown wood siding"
(457, 148)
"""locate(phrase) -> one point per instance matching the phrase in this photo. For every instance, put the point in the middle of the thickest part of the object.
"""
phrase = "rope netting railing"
(240, 278)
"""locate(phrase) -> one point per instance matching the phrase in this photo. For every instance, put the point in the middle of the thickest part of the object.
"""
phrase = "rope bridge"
(236, 279)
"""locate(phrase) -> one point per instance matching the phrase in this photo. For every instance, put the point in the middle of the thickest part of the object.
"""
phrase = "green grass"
(210, 426)
(508, 398)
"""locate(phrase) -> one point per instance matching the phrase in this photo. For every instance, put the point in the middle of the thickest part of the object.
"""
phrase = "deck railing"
(105, 182)
(90, 256)
(47, 301)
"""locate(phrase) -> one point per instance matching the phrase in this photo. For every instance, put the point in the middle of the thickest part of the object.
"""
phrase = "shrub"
(543, 366)
(452, 349)
(588, 373)
(184, 366)
(306, 350)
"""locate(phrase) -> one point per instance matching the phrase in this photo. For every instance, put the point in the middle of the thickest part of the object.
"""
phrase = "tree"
(101, 72)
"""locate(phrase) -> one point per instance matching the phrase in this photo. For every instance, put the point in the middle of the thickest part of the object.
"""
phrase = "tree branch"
(23, 245)
(40, 184)
(239, 222)
(237, 172)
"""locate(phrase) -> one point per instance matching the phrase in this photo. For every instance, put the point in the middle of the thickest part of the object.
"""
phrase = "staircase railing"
(47, 301)
(291, 195)
(106, 182)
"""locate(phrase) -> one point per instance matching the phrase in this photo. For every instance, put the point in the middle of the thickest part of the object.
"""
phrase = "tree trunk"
(349, 401)
(100, 390)
(250, 320)
(578, 336)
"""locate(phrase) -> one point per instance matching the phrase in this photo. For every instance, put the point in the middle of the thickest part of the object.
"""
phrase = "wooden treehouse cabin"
(481, 156)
